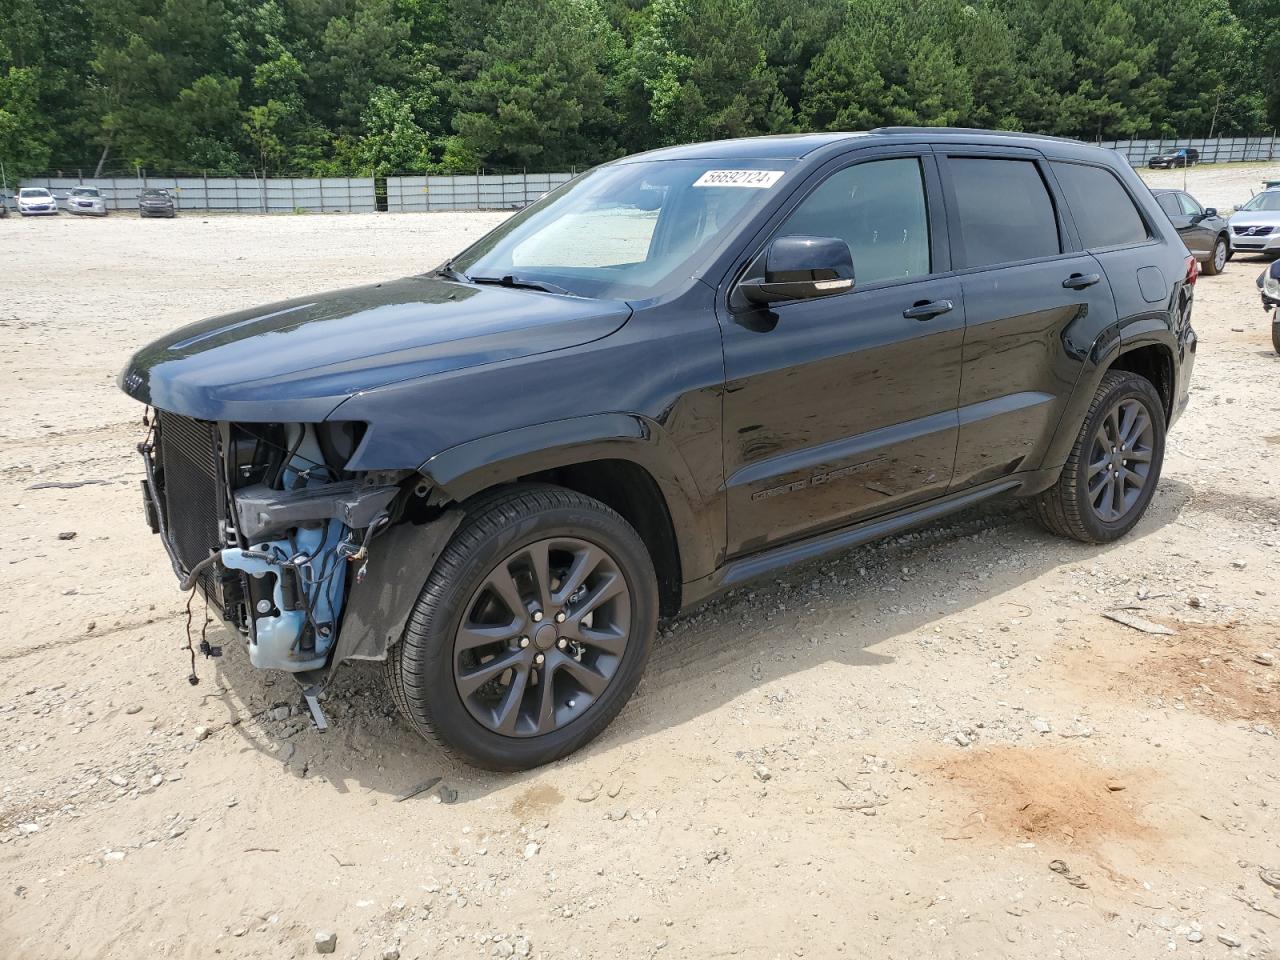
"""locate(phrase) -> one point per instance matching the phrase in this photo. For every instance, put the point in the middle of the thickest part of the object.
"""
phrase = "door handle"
(1078, 281)
(928, 309)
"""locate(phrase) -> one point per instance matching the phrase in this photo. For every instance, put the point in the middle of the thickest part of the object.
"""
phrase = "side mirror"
(1210, 211)
(800, 268)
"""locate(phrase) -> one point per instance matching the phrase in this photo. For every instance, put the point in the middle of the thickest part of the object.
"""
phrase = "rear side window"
(1104, 212)
(879, 209)
(1004, 211)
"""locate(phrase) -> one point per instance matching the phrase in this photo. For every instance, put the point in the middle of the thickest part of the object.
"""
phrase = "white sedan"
(1255, 226)
(36, 202)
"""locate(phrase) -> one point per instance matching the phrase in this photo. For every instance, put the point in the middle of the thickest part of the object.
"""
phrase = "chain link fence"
(1216, 150)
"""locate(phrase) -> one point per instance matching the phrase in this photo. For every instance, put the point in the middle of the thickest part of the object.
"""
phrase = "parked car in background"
(1206, 234)
(36, 202)
(86, 201)
(679, 372)
(1255, 226)
(1182, 157)
(156, 203)
(1269, 287)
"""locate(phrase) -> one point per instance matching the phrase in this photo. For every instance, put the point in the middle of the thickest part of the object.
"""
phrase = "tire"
(1067, 508)
(426, 670)
(1275, 335)
(1220, 252)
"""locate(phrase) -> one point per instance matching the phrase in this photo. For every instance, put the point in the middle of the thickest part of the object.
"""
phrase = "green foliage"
(21, 126)
(698, 71)
(534, 93)
(360, 86)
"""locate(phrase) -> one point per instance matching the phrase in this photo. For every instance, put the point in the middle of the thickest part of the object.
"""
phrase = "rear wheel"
(532, 631)
(1114, 466)
(1217, 258)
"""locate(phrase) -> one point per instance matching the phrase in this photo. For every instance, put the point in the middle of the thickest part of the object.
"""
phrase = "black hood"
(297, 360)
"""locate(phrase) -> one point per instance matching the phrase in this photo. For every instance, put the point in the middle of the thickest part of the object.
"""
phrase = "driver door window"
(879, 209)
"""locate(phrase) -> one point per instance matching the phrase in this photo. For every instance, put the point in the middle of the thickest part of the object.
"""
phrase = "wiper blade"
(520, 283)
(451, 274)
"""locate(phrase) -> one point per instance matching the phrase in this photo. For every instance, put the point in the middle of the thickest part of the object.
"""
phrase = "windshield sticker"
(755, 179)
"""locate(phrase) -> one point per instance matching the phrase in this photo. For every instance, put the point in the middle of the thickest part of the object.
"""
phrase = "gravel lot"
(880, 755)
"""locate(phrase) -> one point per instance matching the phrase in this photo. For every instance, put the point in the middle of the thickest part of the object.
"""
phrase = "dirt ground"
(882, 755)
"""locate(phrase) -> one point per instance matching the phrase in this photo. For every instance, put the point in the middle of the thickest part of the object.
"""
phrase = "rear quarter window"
(1105, 214)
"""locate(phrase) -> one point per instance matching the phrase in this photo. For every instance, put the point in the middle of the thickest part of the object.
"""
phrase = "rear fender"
(1112, 343)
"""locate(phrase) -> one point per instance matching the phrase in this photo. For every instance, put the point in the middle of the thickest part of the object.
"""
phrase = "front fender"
(468, 468)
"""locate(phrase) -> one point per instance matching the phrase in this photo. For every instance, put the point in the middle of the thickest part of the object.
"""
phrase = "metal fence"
(479, 192)
(319, 194)
(1217, 150)
(229, 194)
(496, 192)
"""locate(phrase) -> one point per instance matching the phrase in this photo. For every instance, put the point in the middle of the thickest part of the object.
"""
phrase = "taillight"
(1193, 270)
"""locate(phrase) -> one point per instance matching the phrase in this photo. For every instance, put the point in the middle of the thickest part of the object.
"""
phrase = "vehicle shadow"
(749, 638)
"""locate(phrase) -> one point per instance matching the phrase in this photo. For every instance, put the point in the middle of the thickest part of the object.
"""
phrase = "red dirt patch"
(1212, 670)
(1048, 795)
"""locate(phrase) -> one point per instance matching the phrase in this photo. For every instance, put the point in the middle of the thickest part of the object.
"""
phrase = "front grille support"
(192, 497)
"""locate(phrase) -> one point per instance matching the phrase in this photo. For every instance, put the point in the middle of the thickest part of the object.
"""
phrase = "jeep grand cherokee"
(678, 372)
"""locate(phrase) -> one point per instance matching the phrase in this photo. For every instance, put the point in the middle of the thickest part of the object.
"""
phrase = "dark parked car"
(156, 203)
(1182, 157)
(1205, 233)
(679, 372)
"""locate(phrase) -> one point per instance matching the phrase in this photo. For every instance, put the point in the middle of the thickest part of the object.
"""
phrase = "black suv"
(1182, 157)
(678, 372)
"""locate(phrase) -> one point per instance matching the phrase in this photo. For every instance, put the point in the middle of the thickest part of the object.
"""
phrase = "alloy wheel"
(542, 637)
(1120, 460)
(1220, 255)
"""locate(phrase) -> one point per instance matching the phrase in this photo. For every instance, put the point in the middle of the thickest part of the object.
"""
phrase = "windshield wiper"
(449, 273)
(521, 283)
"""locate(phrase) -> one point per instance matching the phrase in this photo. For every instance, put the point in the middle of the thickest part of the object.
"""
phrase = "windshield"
(85, 192)
(155, 193)
(626, 230)
(33, 192)
(1268, 201)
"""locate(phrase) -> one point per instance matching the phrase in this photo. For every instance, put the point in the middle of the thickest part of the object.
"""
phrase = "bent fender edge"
(476, 465)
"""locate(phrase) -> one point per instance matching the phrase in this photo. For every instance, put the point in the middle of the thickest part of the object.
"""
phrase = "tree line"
(335, 87)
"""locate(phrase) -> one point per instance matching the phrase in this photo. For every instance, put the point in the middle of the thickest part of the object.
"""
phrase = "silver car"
(1255, 226)
(36, 202)
(86, 200)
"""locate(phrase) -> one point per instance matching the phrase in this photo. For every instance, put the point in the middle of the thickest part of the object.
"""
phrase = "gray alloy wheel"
(1120, 460)
(1114, 465)
(542, 637)
(532, 630)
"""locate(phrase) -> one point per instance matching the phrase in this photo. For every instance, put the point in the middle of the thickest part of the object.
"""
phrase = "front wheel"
(1275, 335)
(1114, 466)
(532, 630)
(1218, 257)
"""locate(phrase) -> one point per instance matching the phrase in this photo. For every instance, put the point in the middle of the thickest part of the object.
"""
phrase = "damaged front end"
(266, 521)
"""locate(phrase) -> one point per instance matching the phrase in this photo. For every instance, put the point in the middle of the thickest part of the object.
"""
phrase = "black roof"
(794, 146)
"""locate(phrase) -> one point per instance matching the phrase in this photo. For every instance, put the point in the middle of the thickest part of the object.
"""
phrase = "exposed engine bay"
(265, 521)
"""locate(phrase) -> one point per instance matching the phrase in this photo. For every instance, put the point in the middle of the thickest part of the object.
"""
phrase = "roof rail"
(970, 131)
